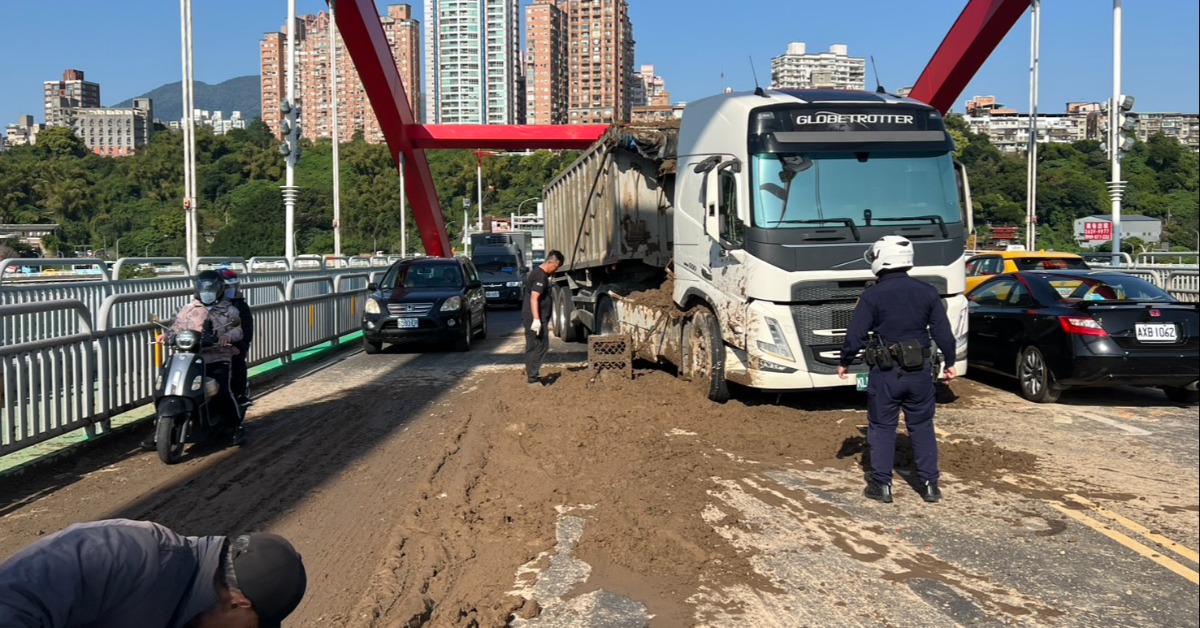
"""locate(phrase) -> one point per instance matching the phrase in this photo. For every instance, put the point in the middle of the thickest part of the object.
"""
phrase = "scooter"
(183, 393)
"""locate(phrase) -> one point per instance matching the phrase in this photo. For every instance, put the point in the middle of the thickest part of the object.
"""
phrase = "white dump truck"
(731, 244)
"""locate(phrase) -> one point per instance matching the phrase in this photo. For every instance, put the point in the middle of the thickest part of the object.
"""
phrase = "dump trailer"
(731, 245)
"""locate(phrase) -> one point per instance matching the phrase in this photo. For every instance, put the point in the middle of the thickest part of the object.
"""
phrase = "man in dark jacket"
(120, 573)
(239, 375)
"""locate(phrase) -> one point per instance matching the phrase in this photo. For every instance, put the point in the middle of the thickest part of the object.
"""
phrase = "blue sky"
(698, 46)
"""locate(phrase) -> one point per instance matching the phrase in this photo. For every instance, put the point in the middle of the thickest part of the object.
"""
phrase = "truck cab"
(778, 196)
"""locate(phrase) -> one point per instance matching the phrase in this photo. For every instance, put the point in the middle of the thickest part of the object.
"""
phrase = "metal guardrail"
(72, 356)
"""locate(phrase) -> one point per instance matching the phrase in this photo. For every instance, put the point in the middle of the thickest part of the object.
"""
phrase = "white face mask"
(229, 292)
(208, 297)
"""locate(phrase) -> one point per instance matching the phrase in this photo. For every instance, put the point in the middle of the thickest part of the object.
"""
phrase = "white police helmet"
(891, 252)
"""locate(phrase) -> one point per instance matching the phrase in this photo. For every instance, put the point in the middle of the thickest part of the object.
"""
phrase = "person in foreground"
(120, 573)
(536, 308)
(901, 312)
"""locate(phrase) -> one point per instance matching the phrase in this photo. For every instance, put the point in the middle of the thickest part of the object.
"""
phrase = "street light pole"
(1114, 152)
(534, 198)
(1035, 47)
(289, 189)
(333, 104)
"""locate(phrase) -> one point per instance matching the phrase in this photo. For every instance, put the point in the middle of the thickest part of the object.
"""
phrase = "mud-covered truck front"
(731, 246)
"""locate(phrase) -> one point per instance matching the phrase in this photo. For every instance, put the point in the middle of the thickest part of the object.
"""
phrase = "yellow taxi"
(984, 265)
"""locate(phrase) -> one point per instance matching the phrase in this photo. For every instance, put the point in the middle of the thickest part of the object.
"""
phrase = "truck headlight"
(371, 307)
(778, 345)
(452, 304)
(512, 284)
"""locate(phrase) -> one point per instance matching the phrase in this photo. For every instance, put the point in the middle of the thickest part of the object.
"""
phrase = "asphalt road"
(1092, 522)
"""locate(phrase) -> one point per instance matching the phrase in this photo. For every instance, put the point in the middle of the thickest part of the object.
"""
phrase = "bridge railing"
(69, 363)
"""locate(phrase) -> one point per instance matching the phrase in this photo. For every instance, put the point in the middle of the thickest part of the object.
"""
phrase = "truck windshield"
(828, 189)
(495, 263)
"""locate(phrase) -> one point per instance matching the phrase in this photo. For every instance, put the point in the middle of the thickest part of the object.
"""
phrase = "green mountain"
(237, 94)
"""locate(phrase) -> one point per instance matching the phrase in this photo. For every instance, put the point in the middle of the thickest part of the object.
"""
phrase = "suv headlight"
(778, 345)
(372, 306)
(452, 304)
(513, 284)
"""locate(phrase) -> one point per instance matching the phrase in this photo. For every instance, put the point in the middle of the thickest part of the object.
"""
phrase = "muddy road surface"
(436, 488)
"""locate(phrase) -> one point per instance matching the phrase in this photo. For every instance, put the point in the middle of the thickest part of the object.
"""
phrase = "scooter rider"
(209, 305)
(902, 312)
(239, 377)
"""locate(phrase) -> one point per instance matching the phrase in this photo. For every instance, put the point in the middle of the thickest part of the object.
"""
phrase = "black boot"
(878, 492)
(150, 443)
(930, 492)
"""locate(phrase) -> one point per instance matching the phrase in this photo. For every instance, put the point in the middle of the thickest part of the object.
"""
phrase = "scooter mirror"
(236, 322)
(155, 319)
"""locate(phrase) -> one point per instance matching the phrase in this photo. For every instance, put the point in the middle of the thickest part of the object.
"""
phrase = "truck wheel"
(606, 317)
(168, 435)
(566, 331)
(704, 355)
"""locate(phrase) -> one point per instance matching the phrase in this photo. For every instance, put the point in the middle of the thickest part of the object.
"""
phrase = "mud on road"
(441, 490)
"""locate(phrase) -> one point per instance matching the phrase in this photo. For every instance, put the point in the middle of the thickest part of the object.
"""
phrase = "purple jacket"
(110, 574)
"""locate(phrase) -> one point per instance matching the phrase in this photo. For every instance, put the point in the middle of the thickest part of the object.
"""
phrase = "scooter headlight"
(187, 341)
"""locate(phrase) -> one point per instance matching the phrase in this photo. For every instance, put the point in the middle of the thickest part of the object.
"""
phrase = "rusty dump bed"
(614, 203)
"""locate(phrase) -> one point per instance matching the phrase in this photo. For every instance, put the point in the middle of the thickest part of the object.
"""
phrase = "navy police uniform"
(900, 308)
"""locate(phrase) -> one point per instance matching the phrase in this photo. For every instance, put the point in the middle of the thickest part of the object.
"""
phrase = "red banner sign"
(1097, 231)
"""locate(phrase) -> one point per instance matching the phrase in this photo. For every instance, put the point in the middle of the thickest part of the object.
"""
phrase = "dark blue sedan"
(1053, 330)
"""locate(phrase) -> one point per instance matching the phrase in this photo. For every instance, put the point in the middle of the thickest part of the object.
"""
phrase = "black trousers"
(536, 346)
(889, 392)
(224, 403)
(238, 376)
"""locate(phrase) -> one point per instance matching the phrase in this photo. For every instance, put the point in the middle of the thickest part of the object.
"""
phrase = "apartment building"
(314, 74)
(473, 62)
(546, 63)
(1009, 130)
(799, 69)
(215, 120)
(63, 96)
(115, 131)
(600, 56)
(24, 132)
(649, 90)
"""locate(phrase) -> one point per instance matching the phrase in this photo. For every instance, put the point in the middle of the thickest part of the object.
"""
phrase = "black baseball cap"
(271, 574)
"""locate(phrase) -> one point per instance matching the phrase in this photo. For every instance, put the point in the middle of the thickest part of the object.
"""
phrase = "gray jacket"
(110, 574)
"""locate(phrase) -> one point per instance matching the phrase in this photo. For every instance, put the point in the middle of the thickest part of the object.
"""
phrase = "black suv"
(430, 298)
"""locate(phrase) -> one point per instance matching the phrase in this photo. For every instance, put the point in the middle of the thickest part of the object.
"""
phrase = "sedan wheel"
(1034, 375)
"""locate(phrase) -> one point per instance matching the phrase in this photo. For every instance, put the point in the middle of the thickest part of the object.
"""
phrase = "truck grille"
(822, 329)
(823, 291)
(409, 309)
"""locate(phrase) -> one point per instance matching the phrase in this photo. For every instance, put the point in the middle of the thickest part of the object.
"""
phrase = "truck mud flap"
(656, 333)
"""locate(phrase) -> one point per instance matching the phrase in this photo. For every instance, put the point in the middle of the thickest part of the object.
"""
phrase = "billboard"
(1097, 231)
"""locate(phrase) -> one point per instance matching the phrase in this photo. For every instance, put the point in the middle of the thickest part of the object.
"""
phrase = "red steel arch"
(975, 34)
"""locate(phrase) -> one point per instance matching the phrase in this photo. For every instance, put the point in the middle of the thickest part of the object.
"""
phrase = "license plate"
(1155, 332)
(492, 294)
(860, 381)
(406, 323)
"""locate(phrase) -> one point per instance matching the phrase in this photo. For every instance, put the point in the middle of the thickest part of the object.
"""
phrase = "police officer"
(901, 311)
